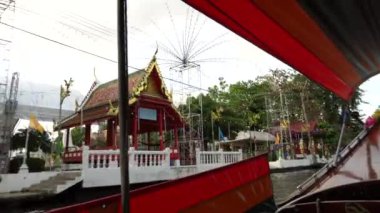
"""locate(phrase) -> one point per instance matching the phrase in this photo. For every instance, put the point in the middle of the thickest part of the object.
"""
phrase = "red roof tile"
(110, 91)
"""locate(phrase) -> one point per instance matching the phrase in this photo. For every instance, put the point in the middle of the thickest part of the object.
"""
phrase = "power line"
(189, 85)
(58, 42)
(102, 32)
(4, 40)
(87, 52)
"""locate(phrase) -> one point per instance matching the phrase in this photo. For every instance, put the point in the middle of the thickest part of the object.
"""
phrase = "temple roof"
(104, 93)
(101, 102)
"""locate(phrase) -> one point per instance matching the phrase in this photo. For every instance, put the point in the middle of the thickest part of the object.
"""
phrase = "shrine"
(153, 127)
(151, 113)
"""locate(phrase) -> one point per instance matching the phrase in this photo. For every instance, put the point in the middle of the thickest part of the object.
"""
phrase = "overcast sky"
(91, 26)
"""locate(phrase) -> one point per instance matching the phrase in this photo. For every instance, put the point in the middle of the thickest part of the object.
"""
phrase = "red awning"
(334, 43)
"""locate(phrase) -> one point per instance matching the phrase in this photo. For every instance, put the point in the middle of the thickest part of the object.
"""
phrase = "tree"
(37, 141)
(77, 135)
(58, 145)
(293, 98)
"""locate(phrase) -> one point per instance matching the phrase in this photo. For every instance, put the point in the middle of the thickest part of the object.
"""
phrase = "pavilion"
(151, 110)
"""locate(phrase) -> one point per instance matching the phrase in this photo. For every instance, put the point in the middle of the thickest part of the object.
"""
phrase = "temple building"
(152, 115)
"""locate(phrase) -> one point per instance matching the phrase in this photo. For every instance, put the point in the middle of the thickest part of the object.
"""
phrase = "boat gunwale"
(304, 189)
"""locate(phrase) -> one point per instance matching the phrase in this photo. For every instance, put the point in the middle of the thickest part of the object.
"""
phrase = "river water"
(285, 183)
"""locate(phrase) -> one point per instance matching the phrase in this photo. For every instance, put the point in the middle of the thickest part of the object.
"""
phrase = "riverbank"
(314, 167)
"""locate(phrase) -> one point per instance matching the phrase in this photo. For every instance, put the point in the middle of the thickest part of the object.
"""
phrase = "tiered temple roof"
(101, 102)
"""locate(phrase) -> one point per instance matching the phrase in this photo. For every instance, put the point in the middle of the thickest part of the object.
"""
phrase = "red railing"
(74, 156)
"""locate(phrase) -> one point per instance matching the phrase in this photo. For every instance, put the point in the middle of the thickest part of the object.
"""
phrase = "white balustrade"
(102, 167)
(98, 159)
(217, 157)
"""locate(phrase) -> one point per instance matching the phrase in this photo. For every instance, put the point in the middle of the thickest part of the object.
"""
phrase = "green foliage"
(100, 142)
(34, 164)
(329, 132)
(14, 164)
(77, 135)
(36, 140)
(58, 144)
(246, 105)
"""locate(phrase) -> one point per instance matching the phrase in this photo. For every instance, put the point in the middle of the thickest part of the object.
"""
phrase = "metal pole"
(291, 145)
(190, 118)
(122, 32)
(340, 136)
(266, 112)
(229, 130)
(281, 117)
(201, 103)
(212, 129)
(201, 118)
(24, 166)
(306, 119)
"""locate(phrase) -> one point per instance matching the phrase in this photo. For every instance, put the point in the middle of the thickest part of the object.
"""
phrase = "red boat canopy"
(334, 43)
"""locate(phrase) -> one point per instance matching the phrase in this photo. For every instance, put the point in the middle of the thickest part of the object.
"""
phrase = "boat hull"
(352, 178)
(240, 187)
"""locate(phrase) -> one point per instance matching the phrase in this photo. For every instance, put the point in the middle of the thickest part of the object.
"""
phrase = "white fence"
(98, 159)
(217, 157)
(102, 167)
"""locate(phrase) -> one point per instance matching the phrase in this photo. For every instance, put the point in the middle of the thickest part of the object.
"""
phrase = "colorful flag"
(277, 140)
(34, 124)
(284, 124)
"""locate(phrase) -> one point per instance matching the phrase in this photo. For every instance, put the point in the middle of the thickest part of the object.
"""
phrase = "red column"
(160, 118)
(117, 136)
(135, 127)
(87, 136)
(176, 145)
(110, 133)
(67, 139)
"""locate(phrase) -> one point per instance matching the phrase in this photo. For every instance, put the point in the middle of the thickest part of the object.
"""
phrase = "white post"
(131, 156)
(176, 161)
(167, 157)
(197, 156)
(24, 167)
(240, 155)
(221, 155)
(85, 155)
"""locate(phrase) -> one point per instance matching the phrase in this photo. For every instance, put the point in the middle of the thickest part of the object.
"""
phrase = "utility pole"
(267, 118)
(229, 130)
(306, 119)
(281, 119)
(289, 130)
(212, 128)
(9, 112)
(8, 103)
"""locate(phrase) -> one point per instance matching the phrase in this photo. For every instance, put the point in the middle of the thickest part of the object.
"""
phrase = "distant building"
(251, 142)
